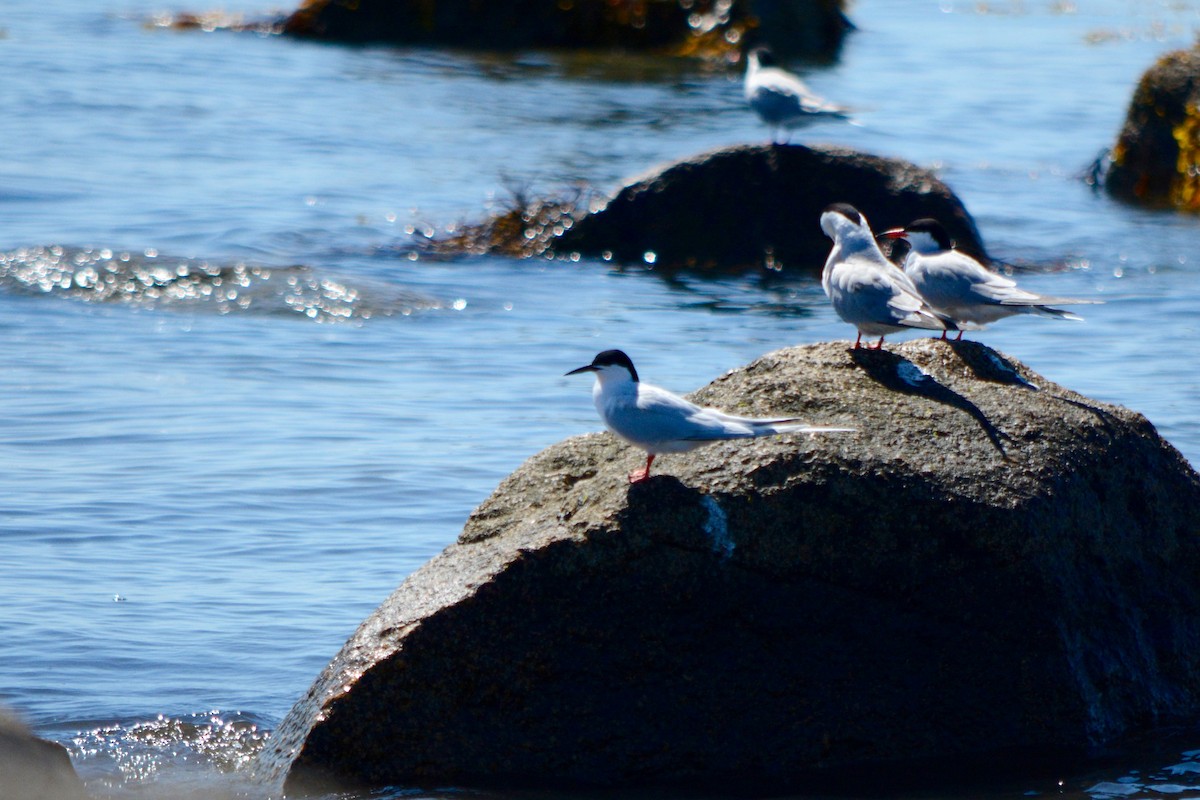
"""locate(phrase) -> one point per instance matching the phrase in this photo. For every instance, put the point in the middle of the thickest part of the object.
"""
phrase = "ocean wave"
(149, 279)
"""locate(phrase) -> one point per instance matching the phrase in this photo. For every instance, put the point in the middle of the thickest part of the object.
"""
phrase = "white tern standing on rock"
(780, 98)
(867, 290)
(958, 286)
(658, 421)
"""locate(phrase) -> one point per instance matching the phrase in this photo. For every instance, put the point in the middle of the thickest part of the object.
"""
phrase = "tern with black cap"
(657, 421)
(960, 287)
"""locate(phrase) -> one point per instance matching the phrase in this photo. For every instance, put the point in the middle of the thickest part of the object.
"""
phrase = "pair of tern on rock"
(938, 288)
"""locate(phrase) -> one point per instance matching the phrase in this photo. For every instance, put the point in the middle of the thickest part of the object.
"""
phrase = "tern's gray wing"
(864, 291)
(781, 97)
(953, 280)
(665, 416)
(660, 421)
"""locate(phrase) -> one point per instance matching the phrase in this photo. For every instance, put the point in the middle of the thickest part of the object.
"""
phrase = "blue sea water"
(237, 408)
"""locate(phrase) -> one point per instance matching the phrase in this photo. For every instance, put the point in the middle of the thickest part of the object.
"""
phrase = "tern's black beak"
(587, 368)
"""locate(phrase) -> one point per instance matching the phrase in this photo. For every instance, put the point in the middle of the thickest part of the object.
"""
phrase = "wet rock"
(811, 27)
(1156, 161)
(32, 768)
(992, 563)
(746, 206)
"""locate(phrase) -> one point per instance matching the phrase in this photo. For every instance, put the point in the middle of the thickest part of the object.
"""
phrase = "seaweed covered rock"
(812, 27)
(990, 564)
(32, 768)
(746, 206)
(1156, 161)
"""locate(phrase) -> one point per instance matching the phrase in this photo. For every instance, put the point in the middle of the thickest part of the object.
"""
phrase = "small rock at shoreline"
(32, 768)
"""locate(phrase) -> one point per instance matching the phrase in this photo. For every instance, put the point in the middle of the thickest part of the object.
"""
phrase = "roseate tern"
(658, 421)
(957, 285)
(780, 98)
(867, 290)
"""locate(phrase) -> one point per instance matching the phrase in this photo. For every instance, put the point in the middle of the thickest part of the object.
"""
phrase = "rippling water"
(239, 405)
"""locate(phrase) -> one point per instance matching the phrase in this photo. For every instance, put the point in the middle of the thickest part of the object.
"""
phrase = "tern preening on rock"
(867, 290)
(957, 285)
(658, 421)
(780, 98)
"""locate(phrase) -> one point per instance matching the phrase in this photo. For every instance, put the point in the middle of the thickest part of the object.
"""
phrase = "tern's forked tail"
(1056, 313)
(789, 426)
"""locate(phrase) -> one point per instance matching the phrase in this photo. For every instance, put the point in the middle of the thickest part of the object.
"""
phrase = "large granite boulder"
(755, 205)
(807, 27)
(990, 564)
(1156, 161)
(32, 768)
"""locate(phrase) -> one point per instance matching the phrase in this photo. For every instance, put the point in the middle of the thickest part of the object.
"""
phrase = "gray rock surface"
(991, 563)
(1156, 161)
(32, 768)
(746, 206)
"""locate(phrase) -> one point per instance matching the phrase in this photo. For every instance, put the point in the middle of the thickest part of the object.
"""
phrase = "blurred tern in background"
(780, 98)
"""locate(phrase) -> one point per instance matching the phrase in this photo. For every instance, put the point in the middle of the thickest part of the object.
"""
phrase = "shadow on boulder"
(901, 375)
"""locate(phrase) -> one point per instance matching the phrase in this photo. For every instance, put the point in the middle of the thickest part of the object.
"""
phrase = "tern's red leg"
(858, 341)
(944, 335)
(879, 344)
(959, 337)
(635, 477)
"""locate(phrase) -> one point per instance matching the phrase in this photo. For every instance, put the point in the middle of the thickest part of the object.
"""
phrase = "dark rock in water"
(813, 27)
(1156, 161)
(990, 564)
(32, 768)
(806, 28)
(747, 206)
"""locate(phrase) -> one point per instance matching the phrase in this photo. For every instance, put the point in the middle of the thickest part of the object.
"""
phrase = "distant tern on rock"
(867, 290)
(780, 98)
(958, 286)
(658, 421)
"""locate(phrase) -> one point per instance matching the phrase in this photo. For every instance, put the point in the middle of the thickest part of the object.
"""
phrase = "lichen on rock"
(1156, 160)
